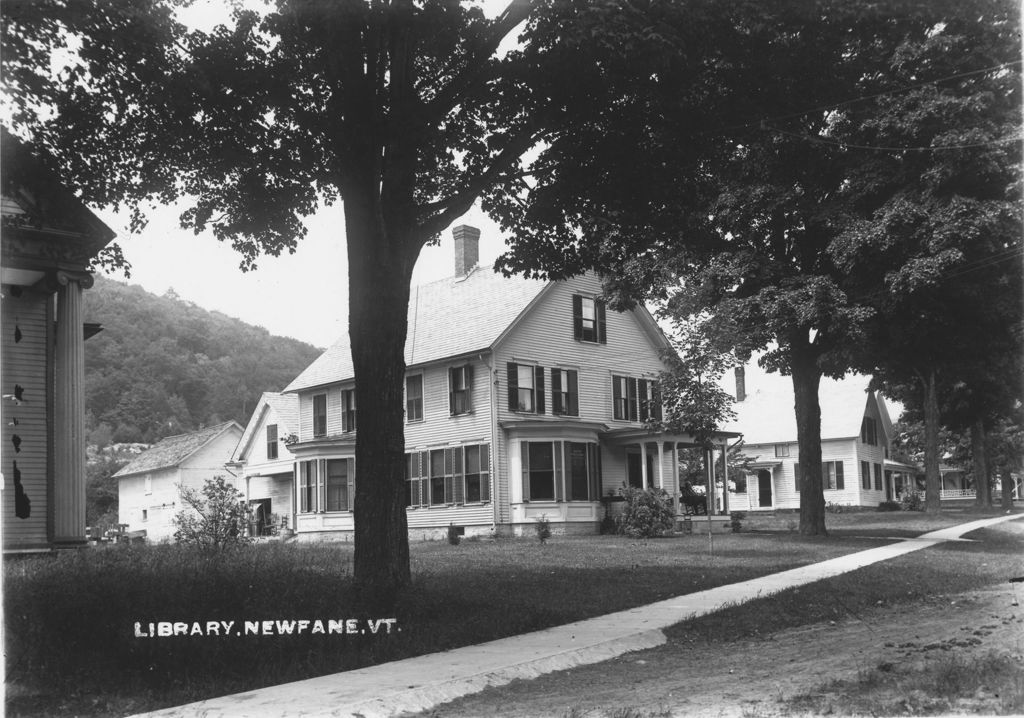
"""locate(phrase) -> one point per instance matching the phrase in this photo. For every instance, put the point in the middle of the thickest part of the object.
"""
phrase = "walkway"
(416, 684)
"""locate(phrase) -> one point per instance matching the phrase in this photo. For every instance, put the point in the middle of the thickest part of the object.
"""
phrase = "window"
(307, 487)
(543, 476)
(588, 319)
(878, 477)
(440, 470)
(460, 390)
(340, 481)
(145, 514)
(635, 399)
(414, 398)
(271, 441)
(148, 484)
(565, 392)
(525, 388)
(348, 410)
(453, 475)
(865, 475)
(781, 450)
(832, 475)
(869, 431)
(539, 471)
(320, 415)
(477, 477)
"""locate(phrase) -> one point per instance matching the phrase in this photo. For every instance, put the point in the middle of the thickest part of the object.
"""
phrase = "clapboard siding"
(438, 426)
(25, 364)
(544, 336)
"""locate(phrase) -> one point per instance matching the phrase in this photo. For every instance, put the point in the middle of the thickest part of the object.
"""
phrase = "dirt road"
(749, 677)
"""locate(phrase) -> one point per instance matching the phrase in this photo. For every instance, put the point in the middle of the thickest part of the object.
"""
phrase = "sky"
(303, 295)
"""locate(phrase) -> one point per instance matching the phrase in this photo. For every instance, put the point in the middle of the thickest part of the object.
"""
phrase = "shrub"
(215, 517)
(543, 528)
(647, 513)
(889, 506)
(453, 535)
(734, 521)
(912, 501)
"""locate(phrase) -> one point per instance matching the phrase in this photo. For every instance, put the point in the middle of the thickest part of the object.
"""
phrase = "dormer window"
(588, 319)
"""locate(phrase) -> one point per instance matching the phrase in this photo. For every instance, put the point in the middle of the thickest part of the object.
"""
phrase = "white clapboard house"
(524, 399)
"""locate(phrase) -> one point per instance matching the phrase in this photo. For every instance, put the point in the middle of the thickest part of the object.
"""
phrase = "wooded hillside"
(164, 366)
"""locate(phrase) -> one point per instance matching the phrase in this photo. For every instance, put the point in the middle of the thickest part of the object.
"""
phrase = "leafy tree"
(214, 517)
(405, 111)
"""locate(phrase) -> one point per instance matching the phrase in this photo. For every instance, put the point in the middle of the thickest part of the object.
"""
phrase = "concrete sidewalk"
(416, 684)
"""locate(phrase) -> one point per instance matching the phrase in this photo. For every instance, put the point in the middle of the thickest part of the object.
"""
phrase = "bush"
(453, 535)
(543, 528)
(889, 506)
(647, 513)
(735, 521)
(215, 517)
(912, 501)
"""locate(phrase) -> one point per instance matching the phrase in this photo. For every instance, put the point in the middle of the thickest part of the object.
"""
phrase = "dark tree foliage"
(163, 366)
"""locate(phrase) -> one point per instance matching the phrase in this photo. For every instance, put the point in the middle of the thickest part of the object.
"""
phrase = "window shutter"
(513, 387)
(485, 472)
(602, 332)
(451, 390)
(574, 394)
(632, 400)
(424, 478)
(525, 457)
(577, 316)
(449, 488)
(839, 474)
(350, 465)
(539, 379)
(469, 387)
(459, 478)
(799, 475)
(593, 471)
(616, 397)
(557, 455)
(556, 392)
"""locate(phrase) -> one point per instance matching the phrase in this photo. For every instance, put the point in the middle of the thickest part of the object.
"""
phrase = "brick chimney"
(741, 383)
(467, 249)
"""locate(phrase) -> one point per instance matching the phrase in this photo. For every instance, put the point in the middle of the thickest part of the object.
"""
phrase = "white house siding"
(543, 336)
(24, 363)
(267, 478)
(874, 454)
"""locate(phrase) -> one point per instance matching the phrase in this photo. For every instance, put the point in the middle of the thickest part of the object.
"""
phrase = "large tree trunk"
(806, 378)
(932, 477)
(380, 271)
(979, 462)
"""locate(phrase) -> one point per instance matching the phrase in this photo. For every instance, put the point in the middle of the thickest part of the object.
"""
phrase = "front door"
(764, 488)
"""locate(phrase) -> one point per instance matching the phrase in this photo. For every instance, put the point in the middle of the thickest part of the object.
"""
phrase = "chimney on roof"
(741, 383)
(467, 249)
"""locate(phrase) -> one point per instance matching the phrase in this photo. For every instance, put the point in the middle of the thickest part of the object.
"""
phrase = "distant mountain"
(164, 366)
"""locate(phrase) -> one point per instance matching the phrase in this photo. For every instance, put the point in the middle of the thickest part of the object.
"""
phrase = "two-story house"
(524, 398)
(856, 435)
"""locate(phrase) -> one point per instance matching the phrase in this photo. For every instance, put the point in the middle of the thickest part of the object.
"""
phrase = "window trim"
(536, 388)
(349, 484)
(563, 489)
(565, 401)
(272, 448)
(781, 451)
(636, 398)
(869, 431)
(420, 489)
(465, 371)
(840, 484)
(592, 331)
(349, 417)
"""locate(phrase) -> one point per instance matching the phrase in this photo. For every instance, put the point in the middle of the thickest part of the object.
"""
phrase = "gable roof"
(173, 450)
(447, 318)
(286, 410)
(767, 416)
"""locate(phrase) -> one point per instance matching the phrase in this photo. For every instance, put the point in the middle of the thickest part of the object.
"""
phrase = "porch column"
(661, 465)
(725, 478)
(643, 464)
(69, 411)
(709, 474)
(675, 477)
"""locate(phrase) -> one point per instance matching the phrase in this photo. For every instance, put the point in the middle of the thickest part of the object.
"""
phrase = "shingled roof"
(447, 318)
(173, 450)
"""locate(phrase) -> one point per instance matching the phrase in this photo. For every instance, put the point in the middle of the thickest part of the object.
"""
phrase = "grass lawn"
(72, 647)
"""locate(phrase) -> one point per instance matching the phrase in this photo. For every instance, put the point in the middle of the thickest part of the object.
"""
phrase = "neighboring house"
(524, 398)
(856, 436)
(147, 487)
(49, 239)
(263, 465)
